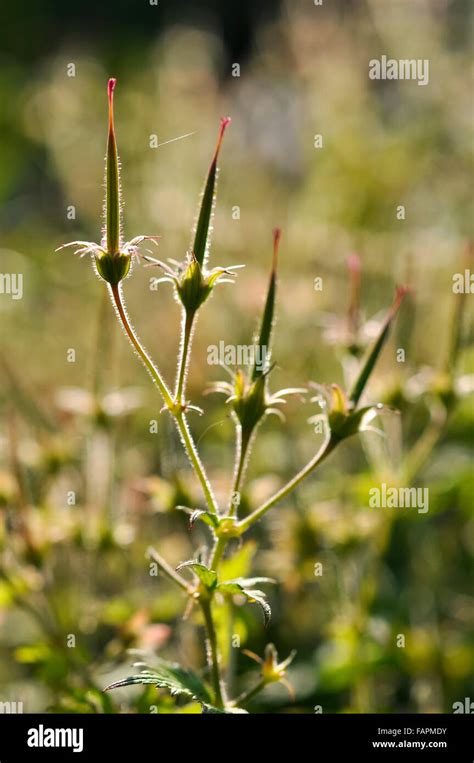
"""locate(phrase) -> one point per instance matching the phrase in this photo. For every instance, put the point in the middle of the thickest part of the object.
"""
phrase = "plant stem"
(217, 551)
(179, 417)
(247, 695)
(188, 320)
(326, 448)
(116, 292)
(167, 569)
(241, 453)
(213, 652)
(182, 424)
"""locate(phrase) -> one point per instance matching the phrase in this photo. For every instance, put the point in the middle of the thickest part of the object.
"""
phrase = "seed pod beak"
(203, 225)
(374, 353)
(266, 328)
(112, 181)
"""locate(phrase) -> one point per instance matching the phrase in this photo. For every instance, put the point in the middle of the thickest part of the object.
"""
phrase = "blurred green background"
(83, 426)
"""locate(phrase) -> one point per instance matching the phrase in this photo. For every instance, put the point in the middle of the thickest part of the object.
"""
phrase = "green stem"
(116, 292)
(241, 453)
(247, 695)
(183, 428)
(217, 551)
(423, 447)
(188, 321)
(326, 448)
(213, 652)
(167, 569)
(179, 417)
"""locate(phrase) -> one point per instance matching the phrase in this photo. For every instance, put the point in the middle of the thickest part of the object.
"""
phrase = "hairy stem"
(213, 652)
(241, 456)
(183, 428)
(217, 551)
(179, 417)
(326, 448)
(187, 330)
(247, 695)
(167, 569)
(116, 293)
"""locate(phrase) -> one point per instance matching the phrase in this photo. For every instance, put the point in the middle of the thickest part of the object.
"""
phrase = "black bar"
(155, 737)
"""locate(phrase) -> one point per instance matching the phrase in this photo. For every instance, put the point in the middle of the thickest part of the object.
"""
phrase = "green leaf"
(204, 516)
(224, 710)
(200, 245)
(171, 676)
(264, 341)
(230, 588)
(240, 563)
(259, 598)
(371, 360)
(207, 577)
(250, 582)
(242, 586)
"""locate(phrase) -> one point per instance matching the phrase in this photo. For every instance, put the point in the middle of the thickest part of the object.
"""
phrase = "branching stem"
(326, 448)
(177, 413)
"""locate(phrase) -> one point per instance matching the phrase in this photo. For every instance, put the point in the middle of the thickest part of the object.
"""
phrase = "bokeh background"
(83, 426)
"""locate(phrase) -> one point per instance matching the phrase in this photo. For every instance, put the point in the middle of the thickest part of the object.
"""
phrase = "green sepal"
(113, 269)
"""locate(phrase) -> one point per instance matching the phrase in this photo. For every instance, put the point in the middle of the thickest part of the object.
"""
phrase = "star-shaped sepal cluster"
(112, 257)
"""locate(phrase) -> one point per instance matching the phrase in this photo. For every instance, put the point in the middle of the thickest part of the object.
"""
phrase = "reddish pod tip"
(353, 263)
(224, 122)
(110, 90)
(276, 243)
(400, 294)
(111, 87)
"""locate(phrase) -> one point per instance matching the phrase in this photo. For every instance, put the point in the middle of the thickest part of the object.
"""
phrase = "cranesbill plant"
(250, 400)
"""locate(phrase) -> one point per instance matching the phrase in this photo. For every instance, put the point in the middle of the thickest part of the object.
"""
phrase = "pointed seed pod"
(201, 237)
(374, 353)
(266, 328)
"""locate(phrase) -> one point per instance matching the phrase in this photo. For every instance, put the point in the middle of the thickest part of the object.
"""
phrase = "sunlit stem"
(116, 293)
(213, 652)
(182, 424)
(217, 551)
(179, 417)
(326, 448)
(167, 569)
(247, 695)
(185, 352)
(242, 451)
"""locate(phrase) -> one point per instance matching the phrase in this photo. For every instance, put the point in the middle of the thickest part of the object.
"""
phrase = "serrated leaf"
(224, 710)
(259, 598)
(250, 582)
(207, 577)
(204, 516)
(171, 676)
